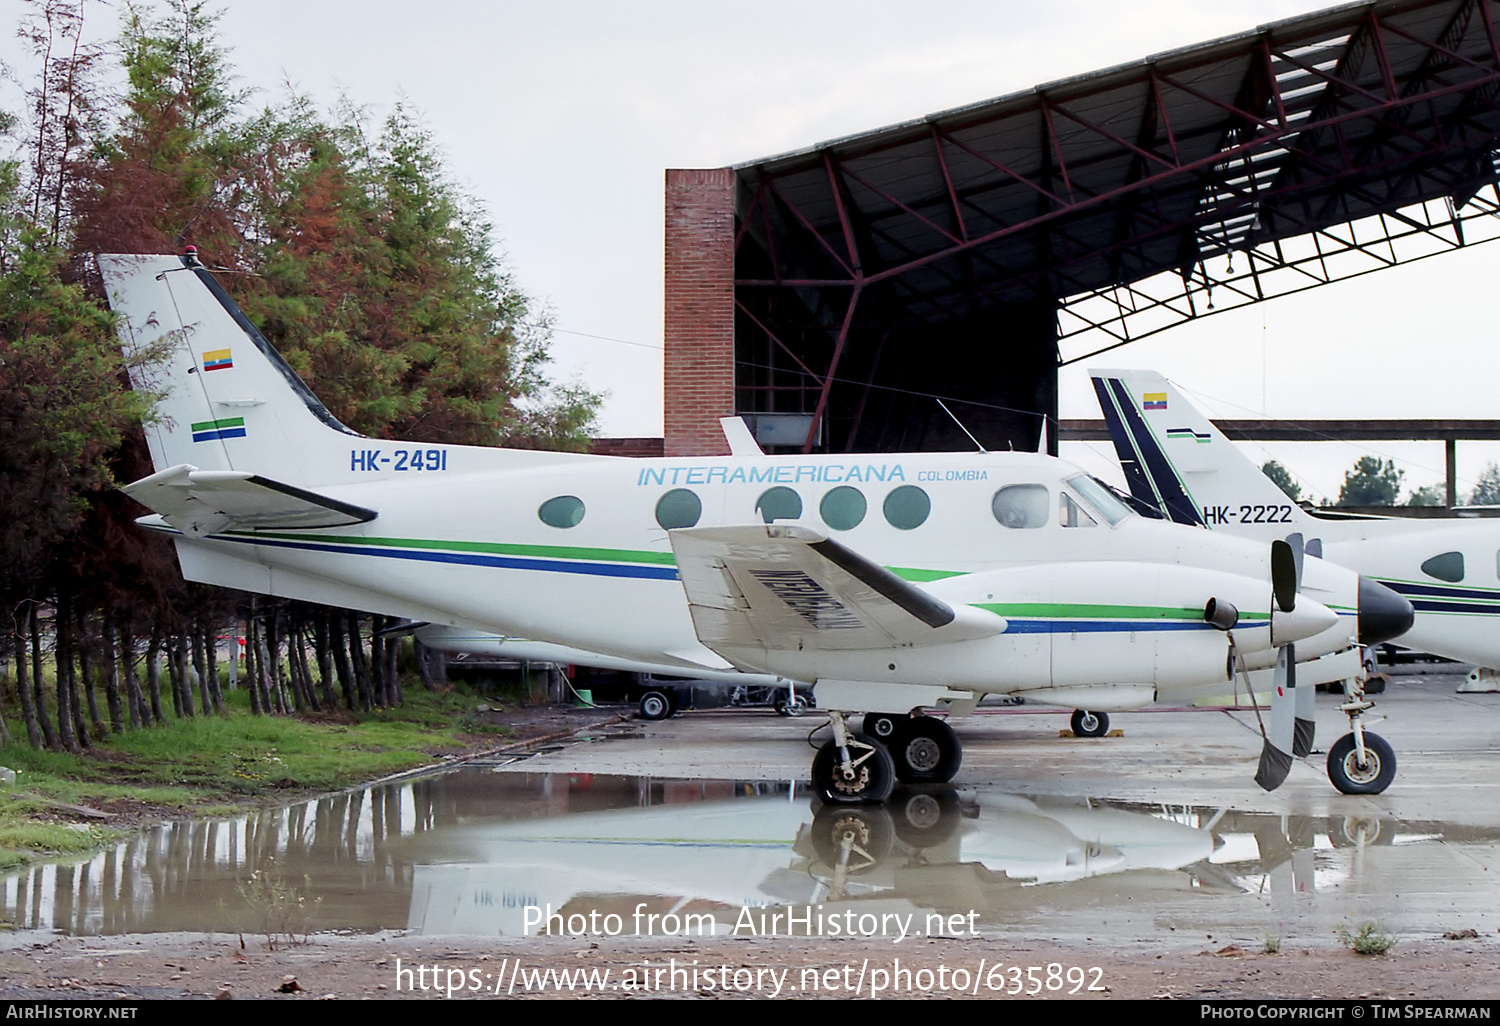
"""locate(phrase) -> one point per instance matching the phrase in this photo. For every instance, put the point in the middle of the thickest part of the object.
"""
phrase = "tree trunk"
(153, 673)
(338, 642)
(424, 668)
(324, 654)
(23, 682)
(67, 717)
(200, 665)
(111, 668)
(36, 680)
(87, 672)
(361, 664)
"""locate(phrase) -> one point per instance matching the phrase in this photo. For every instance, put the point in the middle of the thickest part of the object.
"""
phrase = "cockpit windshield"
(1097, 494)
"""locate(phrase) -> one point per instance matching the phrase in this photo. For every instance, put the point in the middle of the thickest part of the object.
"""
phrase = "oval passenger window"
(564, 511)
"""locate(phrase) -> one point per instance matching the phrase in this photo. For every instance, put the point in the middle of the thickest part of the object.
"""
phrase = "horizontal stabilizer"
(202, 502)
(780, 587)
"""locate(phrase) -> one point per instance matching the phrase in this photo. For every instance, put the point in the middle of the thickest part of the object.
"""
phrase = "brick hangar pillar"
(698, 366)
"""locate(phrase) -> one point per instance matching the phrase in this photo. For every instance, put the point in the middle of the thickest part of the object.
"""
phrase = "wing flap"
(202, 502)
(782, 587)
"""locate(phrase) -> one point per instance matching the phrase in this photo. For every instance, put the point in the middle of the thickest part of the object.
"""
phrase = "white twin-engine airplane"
(893, 582)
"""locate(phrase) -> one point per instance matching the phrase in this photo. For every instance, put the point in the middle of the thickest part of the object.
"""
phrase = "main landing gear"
(864, 767)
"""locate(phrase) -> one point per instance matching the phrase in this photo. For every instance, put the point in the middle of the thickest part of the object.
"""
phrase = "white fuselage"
(1084, 605)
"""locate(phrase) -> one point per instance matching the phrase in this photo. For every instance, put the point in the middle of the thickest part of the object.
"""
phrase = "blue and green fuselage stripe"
(1438, 598)
(1023, 617)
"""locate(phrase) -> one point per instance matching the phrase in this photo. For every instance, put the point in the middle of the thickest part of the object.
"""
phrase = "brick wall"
(699, 322)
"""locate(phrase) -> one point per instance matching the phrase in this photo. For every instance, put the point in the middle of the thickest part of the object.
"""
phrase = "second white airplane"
(1175, 460)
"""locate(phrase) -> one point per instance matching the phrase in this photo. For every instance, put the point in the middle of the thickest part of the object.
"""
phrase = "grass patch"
(215, 765)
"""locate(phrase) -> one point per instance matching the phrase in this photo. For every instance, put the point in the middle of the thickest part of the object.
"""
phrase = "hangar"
(827, 295)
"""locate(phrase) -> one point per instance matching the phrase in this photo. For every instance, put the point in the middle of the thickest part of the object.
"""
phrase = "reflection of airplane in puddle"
(929, 852)
(892, 582)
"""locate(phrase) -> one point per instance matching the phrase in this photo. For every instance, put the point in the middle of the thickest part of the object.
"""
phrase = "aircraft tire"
(655, 705)
(852, 838)
(1349, 777)
(926, 751)
(794, 706)
(884, 726)
(873, 778)
(925, 818)
(1090, 724)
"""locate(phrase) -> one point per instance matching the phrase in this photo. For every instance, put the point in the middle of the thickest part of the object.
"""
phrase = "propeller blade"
(1276, 753)
(1284, 575)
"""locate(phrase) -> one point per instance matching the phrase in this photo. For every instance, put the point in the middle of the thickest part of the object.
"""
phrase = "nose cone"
(1308, 619)
(1383, 614)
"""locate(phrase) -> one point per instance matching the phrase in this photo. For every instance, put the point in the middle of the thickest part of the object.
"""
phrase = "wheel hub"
(923, 754)
(851, 781)
(1362, 774)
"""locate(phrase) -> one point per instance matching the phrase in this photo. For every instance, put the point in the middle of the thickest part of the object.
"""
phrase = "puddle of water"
(478, 852)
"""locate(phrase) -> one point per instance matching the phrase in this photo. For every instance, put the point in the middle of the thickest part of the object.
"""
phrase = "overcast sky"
(561, 117)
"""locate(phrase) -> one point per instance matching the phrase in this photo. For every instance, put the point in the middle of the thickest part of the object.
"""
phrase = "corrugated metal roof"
(1114, 176)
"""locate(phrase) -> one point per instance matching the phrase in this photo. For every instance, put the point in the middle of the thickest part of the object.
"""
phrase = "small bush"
(1366, 939)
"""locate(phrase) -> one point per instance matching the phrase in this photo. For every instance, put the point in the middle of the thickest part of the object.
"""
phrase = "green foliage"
(359, 257)
(380, 284)
(1271, 945)
(1365, 939)
(1371, 482)
(64, 412)
(1428, 495)
(1276, 472)
(1487, 490)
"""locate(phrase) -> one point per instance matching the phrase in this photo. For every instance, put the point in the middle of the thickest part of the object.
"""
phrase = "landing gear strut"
(852, 768)
(1360, 762)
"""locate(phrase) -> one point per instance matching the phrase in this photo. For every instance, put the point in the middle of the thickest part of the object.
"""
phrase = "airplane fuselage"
(573, 551)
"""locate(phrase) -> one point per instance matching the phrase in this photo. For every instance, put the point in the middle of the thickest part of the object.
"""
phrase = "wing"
(201, 502)
(781, 587)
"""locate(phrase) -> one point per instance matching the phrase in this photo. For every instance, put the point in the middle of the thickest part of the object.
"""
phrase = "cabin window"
(1021, 506)
(564, 511)
(1447, 567)
(678, 508)
(1071, 513)
(907, 507)
(843, 508)
(779, 504)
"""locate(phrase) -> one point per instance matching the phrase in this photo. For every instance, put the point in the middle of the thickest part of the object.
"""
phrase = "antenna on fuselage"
(960, 425)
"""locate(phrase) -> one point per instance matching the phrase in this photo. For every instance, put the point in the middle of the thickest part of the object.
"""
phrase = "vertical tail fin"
(228, 401)
(1176, 460)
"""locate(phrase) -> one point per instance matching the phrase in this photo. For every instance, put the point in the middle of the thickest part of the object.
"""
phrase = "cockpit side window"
(1070, 512)
(1097, 494)
(1020, 507)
